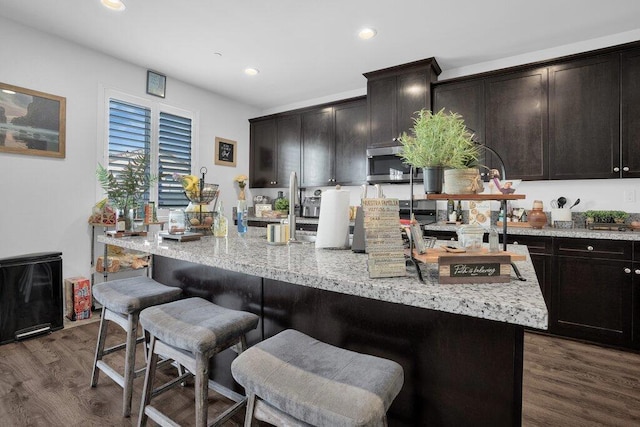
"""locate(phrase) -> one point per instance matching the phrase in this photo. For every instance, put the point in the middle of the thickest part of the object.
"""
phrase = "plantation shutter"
(129, 134)
(174, 156)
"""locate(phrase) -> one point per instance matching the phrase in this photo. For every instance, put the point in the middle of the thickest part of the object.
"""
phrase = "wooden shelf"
(474, 196)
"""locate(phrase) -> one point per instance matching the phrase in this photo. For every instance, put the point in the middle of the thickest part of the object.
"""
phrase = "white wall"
(45, 203)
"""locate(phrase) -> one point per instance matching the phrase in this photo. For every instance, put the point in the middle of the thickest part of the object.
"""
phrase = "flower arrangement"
(242, 182)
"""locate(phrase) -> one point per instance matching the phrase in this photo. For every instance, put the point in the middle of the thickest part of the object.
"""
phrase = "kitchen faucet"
(293, 190)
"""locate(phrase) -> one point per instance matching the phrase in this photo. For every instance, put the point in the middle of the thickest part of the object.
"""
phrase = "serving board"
(186, 237)
(433, 255)
(113, 233)
(514, 224)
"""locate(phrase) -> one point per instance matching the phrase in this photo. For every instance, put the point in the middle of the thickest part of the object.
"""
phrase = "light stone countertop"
(343, 271)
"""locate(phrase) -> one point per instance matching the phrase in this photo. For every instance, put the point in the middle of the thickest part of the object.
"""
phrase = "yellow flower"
(241, 180)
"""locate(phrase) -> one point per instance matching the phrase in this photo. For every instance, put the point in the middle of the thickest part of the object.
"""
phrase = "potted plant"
(126, 188)
(619, 217)
(437, 142)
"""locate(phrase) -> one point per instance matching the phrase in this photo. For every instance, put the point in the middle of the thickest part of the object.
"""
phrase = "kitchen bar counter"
(461, 346)
(517, 302)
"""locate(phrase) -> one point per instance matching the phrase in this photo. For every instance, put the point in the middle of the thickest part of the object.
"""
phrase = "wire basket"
(208, 194)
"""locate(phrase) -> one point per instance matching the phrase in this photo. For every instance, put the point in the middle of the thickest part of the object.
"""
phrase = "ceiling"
(307, 49)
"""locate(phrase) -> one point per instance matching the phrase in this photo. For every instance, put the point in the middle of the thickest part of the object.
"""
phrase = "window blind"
(174, 156)
(129, 135)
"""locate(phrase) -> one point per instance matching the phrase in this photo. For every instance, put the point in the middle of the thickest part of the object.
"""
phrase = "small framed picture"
(225, 152)
(156, 83)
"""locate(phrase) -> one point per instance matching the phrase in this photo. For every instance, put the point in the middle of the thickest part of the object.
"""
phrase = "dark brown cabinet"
(394, 95)
(351, 135)
(317, 148)
(541, 252)
(275, 151)
(635, 274)
(592, 290)
(334, 145)
(584, 118)
(516, 123)
(325, 145)
(465, 98)
(630, 99)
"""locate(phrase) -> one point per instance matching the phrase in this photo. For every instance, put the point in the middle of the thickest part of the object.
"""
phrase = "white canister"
(560, 214)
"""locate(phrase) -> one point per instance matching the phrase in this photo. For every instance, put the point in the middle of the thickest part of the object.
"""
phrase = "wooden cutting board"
(433, 255)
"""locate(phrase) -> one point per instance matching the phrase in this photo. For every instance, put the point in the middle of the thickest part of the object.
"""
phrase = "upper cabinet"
(465, 98)
(394, 95)
(334, 145)
(516, 123)
(630, 93)
(584, 118)
(325, 145)
(275, 151)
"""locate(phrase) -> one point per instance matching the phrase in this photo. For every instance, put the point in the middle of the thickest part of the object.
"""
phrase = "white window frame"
(155, 107)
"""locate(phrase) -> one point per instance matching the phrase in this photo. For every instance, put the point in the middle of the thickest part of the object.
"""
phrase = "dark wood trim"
(309, 108)
(421, 64)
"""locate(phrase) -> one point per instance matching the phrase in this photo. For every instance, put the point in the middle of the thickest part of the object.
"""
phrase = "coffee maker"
(311, 207)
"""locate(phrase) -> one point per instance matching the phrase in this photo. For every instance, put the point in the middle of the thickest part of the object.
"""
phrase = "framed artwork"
(156, 83)
(225, 153)
(32, 122)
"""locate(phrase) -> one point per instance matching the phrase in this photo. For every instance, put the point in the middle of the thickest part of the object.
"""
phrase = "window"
(164, 134)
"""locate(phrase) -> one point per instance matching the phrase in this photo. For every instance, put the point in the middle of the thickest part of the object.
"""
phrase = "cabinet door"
(592, 291)
(381, 98)
(317, 148)
(584, 118)
(631, 114)
(516, 123)
(466, 99)
(351, 143)
(541, 250)
(288, 136)
(412, 95)
(263, 157)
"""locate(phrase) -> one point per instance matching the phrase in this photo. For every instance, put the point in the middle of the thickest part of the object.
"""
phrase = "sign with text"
(474, 269)
(383, 238)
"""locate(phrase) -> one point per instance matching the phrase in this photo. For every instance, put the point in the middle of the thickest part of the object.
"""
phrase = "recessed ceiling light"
(367, 33)
(251, 71)
(113, 5)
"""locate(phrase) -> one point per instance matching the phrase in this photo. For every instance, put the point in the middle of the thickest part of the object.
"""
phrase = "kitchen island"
(460, 345)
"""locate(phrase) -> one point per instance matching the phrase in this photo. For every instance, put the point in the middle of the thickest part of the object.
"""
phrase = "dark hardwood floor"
(45, 382)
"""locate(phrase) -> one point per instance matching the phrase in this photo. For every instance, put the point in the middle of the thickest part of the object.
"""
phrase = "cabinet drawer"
(594, 248)
(535, 244)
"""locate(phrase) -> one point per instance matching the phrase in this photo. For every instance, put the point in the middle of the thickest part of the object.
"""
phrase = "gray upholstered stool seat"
(293, 379)
(122, 301)
(191, 331)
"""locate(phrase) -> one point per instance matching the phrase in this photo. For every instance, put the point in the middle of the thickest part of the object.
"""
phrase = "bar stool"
(122, 301)
(294, 380)
(191, 331)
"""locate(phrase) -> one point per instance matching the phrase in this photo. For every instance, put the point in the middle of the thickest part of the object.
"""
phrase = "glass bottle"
(176, 221)
(220, 224)
(459, 211)
(242, 217)
(494, 242)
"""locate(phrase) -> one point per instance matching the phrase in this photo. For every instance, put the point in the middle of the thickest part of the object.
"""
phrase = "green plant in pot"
(437, 142)
(125, 189)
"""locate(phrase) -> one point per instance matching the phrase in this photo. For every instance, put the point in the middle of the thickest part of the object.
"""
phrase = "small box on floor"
(77, 298)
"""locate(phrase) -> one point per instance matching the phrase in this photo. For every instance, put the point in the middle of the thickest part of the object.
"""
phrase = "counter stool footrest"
(159, 417)
(168, 385)
(226, 415)
(111, 373)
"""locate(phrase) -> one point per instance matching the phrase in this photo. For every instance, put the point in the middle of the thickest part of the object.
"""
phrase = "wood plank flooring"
(45, 382)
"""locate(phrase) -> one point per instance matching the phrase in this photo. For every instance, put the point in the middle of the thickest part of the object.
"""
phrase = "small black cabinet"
(541, 252)
(592, 290)
(630, 93)
(394, 95)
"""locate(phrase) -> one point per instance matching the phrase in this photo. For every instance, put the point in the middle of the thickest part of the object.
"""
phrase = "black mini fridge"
(30, 295)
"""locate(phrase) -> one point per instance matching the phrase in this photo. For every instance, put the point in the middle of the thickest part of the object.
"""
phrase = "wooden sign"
(383, 238)
(474, 269)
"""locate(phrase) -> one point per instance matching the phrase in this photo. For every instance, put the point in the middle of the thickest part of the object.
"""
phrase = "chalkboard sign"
(225, 152)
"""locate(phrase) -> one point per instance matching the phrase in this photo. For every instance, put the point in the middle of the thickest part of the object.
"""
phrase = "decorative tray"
(186, 237)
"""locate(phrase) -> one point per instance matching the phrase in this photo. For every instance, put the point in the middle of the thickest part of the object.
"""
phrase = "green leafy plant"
(439, 139)
(282, 204)
(606, 216)
(126, 188)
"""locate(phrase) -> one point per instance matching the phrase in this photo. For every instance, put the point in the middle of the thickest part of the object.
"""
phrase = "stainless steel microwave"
(385, 167)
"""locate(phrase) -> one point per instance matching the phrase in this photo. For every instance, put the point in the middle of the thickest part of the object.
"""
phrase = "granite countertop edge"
(341, 271)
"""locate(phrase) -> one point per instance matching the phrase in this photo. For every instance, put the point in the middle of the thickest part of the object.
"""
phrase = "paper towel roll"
(333, 224)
